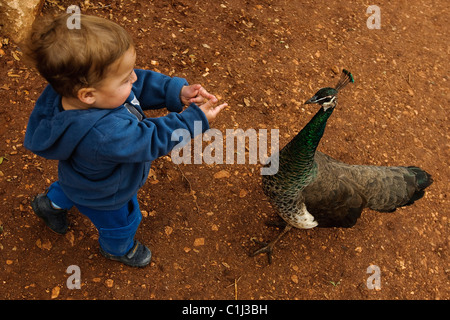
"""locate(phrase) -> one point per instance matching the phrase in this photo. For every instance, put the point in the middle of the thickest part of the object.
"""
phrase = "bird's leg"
(268, 247)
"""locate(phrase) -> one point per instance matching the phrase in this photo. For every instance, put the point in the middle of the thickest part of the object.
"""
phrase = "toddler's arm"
(155, 90)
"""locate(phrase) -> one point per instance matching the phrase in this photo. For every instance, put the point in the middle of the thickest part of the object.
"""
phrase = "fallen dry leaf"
(109, 283)
(70, 237)
(199, 242)
(55, 292)
(44, 245)
(168, 230)
(222, 174)
(15, 56)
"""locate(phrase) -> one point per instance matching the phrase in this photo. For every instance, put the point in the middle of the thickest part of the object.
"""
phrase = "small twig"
(408, 80)
(190, 186)
(235, 288)
(184, 177)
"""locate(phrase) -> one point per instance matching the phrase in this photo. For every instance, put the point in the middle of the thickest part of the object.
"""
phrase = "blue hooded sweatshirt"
(105, 154)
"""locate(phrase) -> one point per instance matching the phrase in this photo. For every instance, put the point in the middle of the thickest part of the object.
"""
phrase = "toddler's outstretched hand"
(197, 94)
(211, 110)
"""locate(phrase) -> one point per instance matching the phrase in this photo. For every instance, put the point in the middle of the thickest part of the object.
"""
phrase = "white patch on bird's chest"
(298, 216)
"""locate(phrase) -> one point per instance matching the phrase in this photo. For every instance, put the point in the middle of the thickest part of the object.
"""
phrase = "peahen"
(312, 189)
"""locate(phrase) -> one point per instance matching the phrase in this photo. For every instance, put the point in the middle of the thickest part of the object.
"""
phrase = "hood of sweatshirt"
(53, 132)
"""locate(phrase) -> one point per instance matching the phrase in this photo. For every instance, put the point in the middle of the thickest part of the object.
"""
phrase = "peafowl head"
(327, 97)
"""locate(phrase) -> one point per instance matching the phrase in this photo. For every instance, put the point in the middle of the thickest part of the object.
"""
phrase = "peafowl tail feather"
(423, 180)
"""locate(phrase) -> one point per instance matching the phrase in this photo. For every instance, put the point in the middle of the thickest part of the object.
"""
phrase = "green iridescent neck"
(306, 141)
(296, 159)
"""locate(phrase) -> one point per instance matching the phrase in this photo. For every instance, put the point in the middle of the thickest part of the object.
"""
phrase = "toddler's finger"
(209, 104)
(215, 111)
(219, 108)
(206, 94)
(195, 87)
(192, 90)
(201, 99)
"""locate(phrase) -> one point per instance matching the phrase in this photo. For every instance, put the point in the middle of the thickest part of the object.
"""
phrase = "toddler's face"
(112, 91)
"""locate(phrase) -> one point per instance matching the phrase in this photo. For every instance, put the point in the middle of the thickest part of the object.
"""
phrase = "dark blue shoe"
(55, 219)
(138, 256)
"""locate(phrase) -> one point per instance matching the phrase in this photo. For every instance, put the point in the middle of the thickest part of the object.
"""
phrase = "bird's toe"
(266, 248)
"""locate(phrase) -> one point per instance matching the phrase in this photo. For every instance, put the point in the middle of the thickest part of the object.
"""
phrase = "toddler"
(90, 118)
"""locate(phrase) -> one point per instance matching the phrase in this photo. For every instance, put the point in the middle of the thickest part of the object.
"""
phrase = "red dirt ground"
(265, 58)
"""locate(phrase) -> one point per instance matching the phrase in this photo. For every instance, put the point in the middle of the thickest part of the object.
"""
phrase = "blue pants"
(116, 228)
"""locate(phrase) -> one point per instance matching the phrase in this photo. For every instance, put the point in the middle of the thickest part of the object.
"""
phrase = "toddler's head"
(72, 59)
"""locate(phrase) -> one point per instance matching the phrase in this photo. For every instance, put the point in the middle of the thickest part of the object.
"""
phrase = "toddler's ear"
(86, 95)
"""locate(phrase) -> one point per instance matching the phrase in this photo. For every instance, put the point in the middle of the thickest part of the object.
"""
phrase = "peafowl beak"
(312, 100)
(324, 96)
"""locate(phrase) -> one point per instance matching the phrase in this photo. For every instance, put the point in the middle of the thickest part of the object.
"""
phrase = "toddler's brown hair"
(71, 59)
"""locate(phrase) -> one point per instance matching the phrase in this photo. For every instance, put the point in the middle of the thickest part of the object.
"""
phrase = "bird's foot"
(266, 248)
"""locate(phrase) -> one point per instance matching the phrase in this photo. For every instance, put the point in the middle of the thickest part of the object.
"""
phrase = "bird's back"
(341, 191)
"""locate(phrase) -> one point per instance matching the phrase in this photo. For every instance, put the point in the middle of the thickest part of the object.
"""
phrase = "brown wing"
(333, 198)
